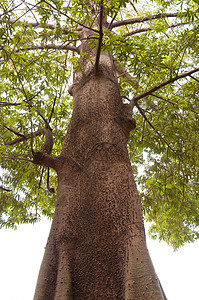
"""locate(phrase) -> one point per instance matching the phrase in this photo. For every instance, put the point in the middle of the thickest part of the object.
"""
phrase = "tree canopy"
(156, 54)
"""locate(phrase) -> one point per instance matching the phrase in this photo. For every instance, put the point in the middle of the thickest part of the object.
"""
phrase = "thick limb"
(43, 157)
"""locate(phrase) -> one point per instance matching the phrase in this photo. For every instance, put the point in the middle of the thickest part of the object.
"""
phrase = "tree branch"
(115, 15)
(16, 157)
(3, 104)
(47, 47)
(143, 19)
(52, 110)
(134, 7)
(3, 189)
(158, 86)
(26, 4)
(35, 24)
(100, 37)
(174, 104)
(166, 100)
(149, 29)
(46, 160)
(137, 31)
(194, 78)
(24, 138)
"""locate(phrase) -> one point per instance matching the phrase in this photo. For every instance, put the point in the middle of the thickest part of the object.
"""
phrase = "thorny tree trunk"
(96, 249)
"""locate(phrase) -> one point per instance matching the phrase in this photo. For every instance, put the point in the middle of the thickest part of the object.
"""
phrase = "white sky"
(21, 253)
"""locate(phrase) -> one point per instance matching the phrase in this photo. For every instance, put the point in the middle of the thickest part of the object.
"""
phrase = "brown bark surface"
(96, 249)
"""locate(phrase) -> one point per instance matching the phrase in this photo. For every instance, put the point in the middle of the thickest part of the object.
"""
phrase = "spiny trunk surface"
(96, 248)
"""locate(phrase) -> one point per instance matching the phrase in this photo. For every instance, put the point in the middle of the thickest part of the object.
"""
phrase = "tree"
(118, 57)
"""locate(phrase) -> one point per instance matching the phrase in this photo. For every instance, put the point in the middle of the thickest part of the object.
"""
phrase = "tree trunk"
(97, 248)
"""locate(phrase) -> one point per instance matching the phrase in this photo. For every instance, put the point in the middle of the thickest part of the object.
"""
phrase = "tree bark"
(96, 247)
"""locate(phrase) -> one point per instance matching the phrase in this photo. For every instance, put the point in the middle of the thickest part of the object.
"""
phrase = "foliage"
(36, 69)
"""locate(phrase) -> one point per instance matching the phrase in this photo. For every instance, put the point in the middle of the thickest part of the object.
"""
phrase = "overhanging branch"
(163, 84)
(143, 19)
(150, 29)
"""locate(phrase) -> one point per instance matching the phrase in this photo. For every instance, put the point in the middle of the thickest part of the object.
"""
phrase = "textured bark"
(96, 248)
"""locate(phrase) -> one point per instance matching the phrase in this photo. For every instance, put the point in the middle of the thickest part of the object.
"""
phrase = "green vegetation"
(38, 53)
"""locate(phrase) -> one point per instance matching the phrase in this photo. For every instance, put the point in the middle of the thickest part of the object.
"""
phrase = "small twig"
(19, 77)
(39, 113)
(149, 29)
(194, 78)
(51, 190)
(52, 110)
(166, 100)
(14, 131)
(136, 31)
(8, 11)
(67, 16)
(24, 138)
(30, 9)
(134, 8)
(40, 181)
(16, 157)
(155, 130)
(113, 19)
(4, 189)
(33, 6)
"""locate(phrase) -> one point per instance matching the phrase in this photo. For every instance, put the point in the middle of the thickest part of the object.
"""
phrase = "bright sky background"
(21, 253)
